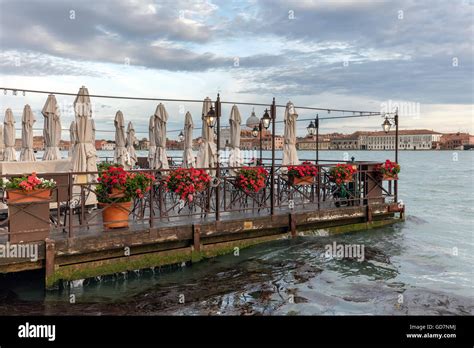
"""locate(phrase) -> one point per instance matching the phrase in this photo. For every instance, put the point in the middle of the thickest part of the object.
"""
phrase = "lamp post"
(210, 118)
(313, 130)
(272, 177)
(181, 138)
(386, 125)
(264, 123)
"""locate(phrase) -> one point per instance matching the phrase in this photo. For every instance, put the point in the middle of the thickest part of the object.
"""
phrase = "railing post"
(71, 195)
(218, 169)
(395, 188)
(152, 212)
(317, 138)
(272, 172)
(318, 192)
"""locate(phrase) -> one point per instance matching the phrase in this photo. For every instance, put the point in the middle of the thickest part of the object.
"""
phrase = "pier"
(164, 229)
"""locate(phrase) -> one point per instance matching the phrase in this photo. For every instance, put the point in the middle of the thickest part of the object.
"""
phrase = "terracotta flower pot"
(303, 181)
(22, 196)
(389, 177)
(115, 215)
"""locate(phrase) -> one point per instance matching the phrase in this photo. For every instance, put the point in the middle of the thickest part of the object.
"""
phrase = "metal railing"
(73, 209)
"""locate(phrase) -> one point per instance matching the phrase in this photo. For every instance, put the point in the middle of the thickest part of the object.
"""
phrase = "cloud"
(371, 50)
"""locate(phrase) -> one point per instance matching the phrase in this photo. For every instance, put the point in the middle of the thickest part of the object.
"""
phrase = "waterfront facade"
(416, 139)
(309, 143)
(456, 141)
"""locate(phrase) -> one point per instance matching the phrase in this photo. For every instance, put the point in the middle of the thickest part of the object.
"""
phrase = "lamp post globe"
(266, 119)
(311, 128)
(386, 125)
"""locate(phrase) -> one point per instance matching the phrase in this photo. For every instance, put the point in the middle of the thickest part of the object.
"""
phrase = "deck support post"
(49, 261)
(196, 252)
(197, 237)
(293, 225)
(368, 214)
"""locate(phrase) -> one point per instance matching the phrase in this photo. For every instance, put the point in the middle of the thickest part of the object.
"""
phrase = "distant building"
(108, 146)
(144, 144)
(455, 141)
(64, 145)
(309, 143)
(100, 143)
(174, 144)
(38, 143)
(224, 138)
(414, 139)
(345, 142)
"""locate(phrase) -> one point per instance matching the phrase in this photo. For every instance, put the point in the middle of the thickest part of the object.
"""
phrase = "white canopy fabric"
(290, 156)
(9, 133)
(84, 156)
(207, 155)
(235, 156)
(51, 129)
(121, 155)
(188, 155)
(27, 153)
(161, 157)
(72, 138)
(2, 143)
(131, 140)
(152, 147)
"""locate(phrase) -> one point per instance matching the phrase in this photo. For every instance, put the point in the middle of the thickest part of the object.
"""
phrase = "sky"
(343, 54)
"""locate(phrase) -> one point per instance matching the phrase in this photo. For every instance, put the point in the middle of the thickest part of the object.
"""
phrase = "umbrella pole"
(272, 177)
(218, 169)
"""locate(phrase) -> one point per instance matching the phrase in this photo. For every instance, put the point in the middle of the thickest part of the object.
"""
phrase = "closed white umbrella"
(131, 139)
(27, 121)
(235, 157)
(121, 155)
(2, 143)
(72, 138)
(290, 156)
(51, 129)
(207, 155)
(188, 156)
(161, 157)
(84, 156)
(152, 147)
(9, 133)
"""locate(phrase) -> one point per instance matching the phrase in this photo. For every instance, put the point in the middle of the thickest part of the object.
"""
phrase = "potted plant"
(251, 179)
(342, 173)
(115, 191)
(186, 182)
(302, 174)
(388, 170)
(28, 189)
(28, 200)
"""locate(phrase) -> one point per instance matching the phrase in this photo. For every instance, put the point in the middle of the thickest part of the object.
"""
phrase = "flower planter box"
(115, 215)
(21, 196)
(28, 215)
(303, 181)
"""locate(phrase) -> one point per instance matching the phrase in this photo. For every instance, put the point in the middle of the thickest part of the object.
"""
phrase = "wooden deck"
(164, 230)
